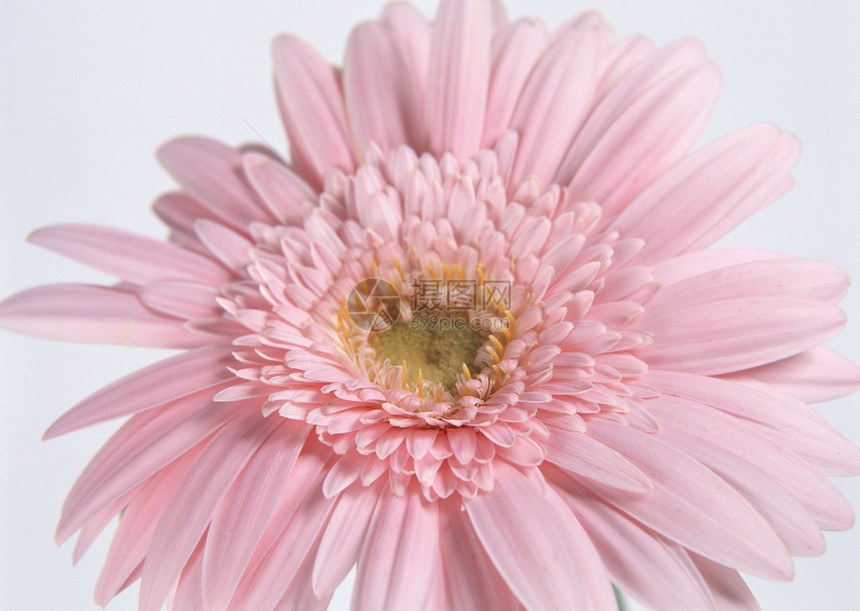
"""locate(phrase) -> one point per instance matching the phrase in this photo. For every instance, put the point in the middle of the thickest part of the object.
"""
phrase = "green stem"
(619, 598)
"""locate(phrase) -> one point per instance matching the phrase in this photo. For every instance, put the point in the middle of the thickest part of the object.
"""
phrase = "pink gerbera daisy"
(470, 339)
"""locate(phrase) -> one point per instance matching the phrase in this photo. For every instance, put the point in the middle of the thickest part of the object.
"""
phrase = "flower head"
(471, 338)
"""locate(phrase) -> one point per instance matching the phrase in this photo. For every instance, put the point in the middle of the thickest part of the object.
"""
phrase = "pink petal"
(401, 544)
(554, 103)
(645, 140)
(180, 212)
(130, 257)
(788, 421)
(211, 173)
(290, 536)
(818, 374)
(648, 72)
(470, 579)
(464, 442)
(189, 511)
(184, 300)
(343, 473)
(595, 579)
(618, 58)
(145, 444)
(579, 453)
(96, 524)
(787, 517)
(242, 516)
(821, 499)
(311, 105)
(691, 505)
(137, 524)
(515, 51)
(92, 314)
(737, 172)
(188, 591)
(167, 380)
(232, 249)
(700, 262)
(381, 100)
(792, 278)
(343, 537)
(282, 190)
(411, 32)
(300, 594)
(657, 573)
(458, 77)
(535, 562)
(725, 336)
(727, 587)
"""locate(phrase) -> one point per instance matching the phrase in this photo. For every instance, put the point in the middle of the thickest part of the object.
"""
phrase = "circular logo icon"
(373, 305)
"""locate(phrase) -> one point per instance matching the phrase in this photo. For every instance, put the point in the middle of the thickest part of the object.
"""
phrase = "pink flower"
(622, 403)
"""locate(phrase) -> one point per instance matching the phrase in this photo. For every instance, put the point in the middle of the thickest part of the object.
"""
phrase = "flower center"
(433, 348)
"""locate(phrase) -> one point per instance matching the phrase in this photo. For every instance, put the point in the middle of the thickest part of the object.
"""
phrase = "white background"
(88, 90)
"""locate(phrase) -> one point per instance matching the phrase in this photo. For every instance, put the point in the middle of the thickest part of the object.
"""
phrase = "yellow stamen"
(494, 354)
(420, 383)
(481, 275)
(510, 318)
(497, 344)
(466, 372)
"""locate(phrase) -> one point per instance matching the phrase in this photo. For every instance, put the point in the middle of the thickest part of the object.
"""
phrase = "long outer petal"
(141, 447)
(739, 173)
(534, 562)
(281, 189)
(581, 454)
(787, 516)
(381, 100)
(692, 506)
(242, 516)
(726, 336)
(137, 524)
(167, 380)
(656, 572)
(515, 51)
(553, 104)
(211, 173)
(128, 256)
(645, 74)
(411, 32)
(290, 535)
(470, 579)
(343, 537)
(188, 512)
(646, 140)
(458, 77)
(401, 543)
(728, 588)
(311, 104)
(790, 277)
(818, 374)
(93, 315)
(786, 420)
